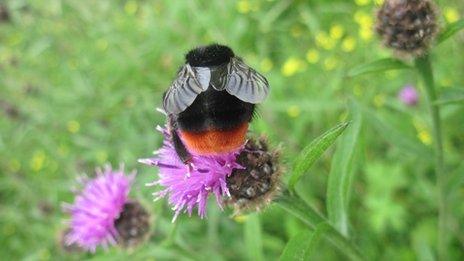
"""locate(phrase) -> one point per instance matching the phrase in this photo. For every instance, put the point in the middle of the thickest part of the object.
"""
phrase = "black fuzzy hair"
(210, 55)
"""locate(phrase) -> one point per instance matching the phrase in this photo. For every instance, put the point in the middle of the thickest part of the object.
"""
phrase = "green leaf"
(451, 96)
(253, 237)
(302, 246)
(450, 30)
(340, 177)
(298, 208)
(312, 152)
(297, 247)
(381, 65)
(392, 135)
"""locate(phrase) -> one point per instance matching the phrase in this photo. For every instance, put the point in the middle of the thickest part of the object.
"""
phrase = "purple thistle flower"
(189, 185)
(408, 95)
(97, 207)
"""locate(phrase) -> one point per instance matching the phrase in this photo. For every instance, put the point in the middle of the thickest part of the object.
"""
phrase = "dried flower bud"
(255, 186)
(407, 26)
(132, 225)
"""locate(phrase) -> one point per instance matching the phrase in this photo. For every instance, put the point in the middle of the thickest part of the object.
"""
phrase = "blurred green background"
(80, 81)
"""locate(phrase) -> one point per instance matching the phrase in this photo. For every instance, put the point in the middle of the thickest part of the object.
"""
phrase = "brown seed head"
(133, 225)
(407, 26)
(255, 187)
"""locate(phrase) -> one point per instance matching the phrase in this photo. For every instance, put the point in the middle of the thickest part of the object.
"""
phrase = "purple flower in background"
(96, 208)
(408, 95)
(188, 186)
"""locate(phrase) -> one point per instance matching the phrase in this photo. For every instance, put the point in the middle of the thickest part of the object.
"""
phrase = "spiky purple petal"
(189, 185)
(96, 208)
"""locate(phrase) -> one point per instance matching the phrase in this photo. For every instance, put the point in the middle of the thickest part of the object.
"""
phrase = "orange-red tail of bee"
(211, 142)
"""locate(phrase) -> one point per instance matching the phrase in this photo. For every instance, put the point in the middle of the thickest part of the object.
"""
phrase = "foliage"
(80, 81)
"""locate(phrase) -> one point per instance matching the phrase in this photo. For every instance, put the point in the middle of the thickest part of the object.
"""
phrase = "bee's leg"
(180, 148)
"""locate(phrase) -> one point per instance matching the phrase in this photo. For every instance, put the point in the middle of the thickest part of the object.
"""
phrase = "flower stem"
(424, 68)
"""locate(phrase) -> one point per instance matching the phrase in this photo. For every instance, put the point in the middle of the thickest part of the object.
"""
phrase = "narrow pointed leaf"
(312, 152)
(340, 178)
(378, 66)
(450, 30)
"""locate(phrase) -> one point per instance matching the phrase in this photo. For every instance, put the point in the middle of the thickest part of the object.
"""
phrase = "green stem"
(424, 68)
(297, 207)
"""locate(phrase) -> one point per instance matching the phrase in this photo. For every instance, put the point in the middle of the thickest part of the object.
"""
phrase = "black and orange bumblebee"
(211, 102)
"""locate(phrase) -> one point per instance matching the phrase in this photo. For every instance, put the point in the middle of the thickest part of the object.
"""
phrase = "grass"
(80, 81)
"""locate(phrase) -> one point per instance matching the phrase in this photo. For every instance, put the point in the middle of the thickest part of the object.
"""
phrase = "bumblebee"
(211, 102)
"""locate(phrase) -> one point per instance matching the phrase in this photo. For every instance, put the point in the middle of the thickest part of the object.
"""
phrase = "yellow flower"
(336, 31)
(243, 6)
(362, 2)
(130, 7)
(312, 56)
(348, 44)
(291, 66)
(294, 111)
(451, 14)
(38, 160)
(73, 126)
(366, 33)
(330, 63)
(424, 137)
(266, 65)
(363, 19)
(379, 100)
(324, 41)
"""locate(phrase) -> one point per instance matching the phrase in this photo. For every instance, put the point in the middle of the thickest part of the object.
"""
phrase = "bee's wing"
(190, 82)
(244, 82)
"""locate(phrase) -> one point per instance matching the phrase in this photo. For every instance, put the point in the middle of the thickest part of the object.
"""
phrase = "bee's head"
(210, 55)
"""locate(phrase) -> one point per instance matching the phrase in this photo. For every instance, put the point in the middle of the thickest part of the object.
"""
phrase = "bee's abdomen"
(212, 142)
(215, 110)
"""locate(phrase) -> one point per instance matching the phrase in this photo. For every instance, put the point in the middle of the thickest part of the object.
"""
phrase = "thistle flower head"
(189, 185)
(408, 95)
(407, 26)
(256, 185)
(96, 208)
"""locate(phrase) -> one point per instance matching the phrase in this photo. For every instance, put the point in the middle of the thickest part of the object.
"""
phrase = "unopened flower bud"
(407, 26)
